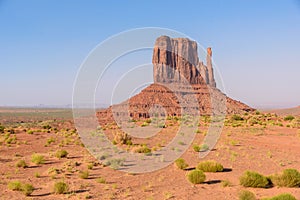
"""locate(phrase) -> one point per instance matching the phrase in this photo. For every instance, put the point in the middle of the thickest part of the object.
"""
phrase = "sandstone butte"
(179, 78)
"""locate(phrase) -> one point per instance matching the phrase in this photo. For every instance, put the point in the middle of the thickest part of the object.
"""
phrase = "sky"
(255, 44)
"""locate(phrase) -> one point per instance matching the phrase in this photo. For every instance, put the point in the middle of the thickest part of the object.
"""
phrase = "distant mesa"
(176, 63)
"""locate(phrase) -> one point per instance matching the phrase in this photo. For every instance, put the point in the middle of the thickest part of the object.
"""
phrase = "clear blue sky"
(256, 44)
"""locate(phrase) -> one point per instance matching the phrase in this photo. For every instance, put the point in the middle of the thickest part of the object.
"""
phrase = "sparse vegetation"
(196, 176)
(15, 185)
(84, 174)
(210, 166)
(181, 164)
(37, 159)
(61, 154)
(196, 148)
(143, 149)
(26, 188)
(246, 195)
(101, 180)
(288, 178)
(226, 183)
(21, 164)
(254, 179)
(283, 196)
(60, 188)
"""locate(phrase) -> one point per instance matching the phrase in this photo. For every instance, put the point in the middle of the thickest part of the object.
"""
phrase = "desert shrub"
(2, 128)
(196, 148)
(37, 159)
(101, 180)
(27, 189)
(143, 149)
(30, 132)
(114, 163)
(144, 124)
(122, 138)
(84, 174)
(246, 195)
(47, 127)
(284, 196)
(21, 163)
(196, 176)
(90, 166)
(50, 140)
(226, 183)
(181, 164)
(61, 154)
(288, 178)
(15, 185)
(289, 118)
(254, 179)
(237, 118)
(204, 147)
(210, 166)
(60, 188)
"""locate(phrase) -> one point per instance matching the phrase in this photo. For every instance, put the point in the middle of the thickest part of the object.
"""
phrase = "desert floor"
(265, 143)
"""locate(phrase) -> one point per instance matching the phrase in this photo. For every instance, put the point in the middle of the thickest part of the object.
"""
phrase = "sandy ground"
(265, 150)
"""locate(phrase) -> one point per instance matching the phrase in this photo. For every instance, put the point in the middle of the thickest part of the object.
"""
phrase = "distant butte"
(175, 63)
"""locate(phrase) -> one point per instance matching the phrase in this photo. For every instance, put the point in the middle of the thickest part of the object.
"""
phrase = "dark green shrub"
(288, 178)
(237, 118)
(284, 196)
(210, 166)
(254, 179)
(289, 118)
(196, 176)
(246, 195)
(196, 148)
(181, 164)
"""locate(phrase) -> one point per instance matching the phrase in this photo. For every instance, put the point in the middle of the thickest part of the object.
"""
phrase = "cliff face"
(176, 60)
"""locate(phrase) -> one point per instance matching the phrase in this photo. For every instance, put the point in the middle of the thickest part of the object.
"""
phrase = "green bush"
(15, 185)
(254, 179)
(21, 163)
(61, 154)
(37, 159)
(196, 176)
(84, 174)
(289, 118)
(210, 166)
(246, 195)
(288, 178)
(30, 132)
(60, 188)
(27, 189)
(196, 148)
(284, 196)
(181, 164)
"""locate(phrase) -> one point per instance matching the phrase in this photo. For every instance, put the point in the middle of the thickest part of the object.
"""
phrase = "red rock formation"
(180, 79)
